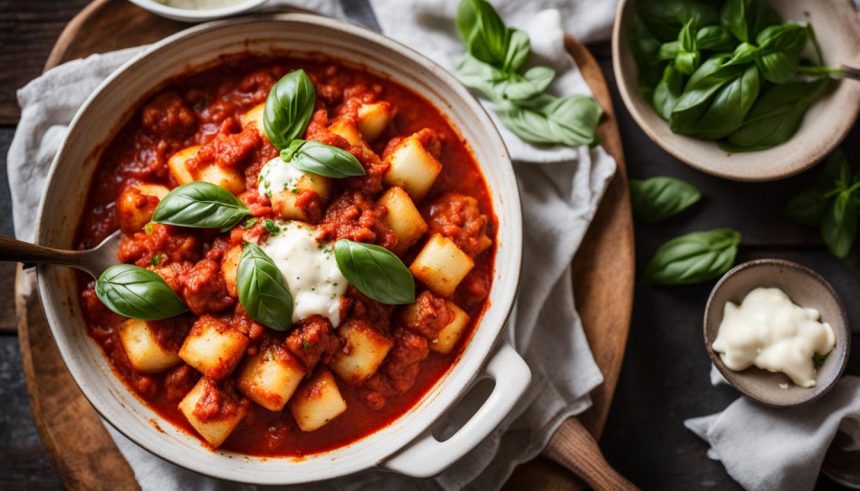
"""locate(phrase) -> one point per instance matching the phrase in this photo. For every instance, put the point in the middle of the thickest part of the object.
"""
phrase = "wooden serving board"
(81, 449)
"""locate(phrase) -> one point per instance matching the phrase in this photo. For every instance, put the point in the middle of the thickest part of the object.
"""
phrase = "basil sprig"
(831, 203)
(263, 291)
(289, 107)
(139, 293)
(694, 258)
(200, 205)
(718, 77)
(659, 198)
(321, 159)
(375, 272)
(494, 68)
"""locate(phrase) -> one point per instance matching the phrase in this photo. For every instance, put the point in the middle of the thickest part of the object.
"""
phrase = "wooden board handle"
(573, 447)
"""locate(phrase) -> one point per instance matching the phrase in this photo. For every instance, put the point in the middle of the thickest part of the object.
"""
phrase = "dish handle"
(427, 456)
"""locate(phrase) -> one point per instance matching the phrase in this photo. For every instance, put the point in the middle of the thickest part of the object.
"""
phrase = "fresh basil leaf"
(687, 59)
(530, 85)
(715, 103)
(570, 121)
(669, 51)
(289, 108)
(694, 258)
(745, 18)
(646, 48)
(666, 18)
(518, 51)
(808, 208)
(781, 47)
(322, 160)
(776, 115)
(715, 38)
(483, 32)
(263, 291)
(659, 198)
(132, 291)
(839, 226)
(375, 272)
(200, 205)
(479, 76)
(671, 87)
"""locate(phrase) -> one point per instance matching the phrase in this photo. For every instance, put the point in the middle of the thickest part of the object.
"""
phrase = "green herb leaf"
(375, 272)
(688, 56)
(666, 18)
(289, 108)
(839, 226)
(715, 38)
(694, 258)
(745, 18)
(250, 222)
(781, 47)
(271, 226)
(666, 93)
(321, 159)
(263, 292)
(139, 293)
(776, 115)
(568, 121)
(518, 51)
(528, 86)
(647, 52)
(808, 208)
(200, 205)
(483, 32)
(659, 198)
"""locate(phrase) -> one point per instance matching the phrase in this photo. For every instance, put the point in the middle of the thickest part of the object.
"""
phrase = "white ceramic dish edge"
(201, 15)
(65, 193)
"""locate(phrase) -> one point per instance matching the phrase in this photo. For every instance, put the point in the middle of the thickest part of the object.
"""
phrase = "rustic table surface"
(665, 374)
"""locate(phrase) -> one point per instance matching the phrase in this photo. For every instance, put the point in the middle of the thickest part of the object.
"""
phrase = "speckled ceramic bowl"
(407, 445)
(826, 123)
(806, 288)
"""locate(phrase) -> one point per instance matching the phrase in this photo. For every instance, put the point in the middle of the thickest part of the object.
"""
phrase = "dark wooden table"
(665, 374)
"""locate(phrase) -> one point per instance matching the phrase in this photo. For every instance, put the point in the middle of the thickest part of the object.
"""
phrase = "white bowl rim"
(196, 15)
(470, 364)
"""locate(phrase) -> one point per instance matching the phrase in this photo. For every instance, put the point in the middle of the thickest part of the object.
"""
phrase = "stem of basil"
(822, 70)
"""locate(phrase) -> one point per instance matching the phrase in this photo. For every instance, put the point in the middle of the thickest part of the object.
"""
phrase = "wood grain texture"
(605, 306)
(78, 444)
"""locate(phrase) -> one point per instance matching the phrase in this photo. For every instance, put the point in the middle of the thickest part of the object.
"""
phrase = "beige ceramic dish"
(806, 288)
(407, 445)
(826, 123)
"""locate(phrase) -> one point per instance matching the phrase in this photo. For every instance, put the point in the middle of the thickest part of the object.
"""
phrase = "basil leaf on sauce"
(139, 293)
(321, 159)
(200, 205)
(375, 272)
(694, 258)
(263, 291)
(289, 108)
(659, 198)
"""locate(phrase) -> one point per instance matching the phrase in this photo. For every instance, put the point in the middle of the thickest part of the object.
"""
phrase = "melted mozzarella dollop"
(277, 176)
(310, 269)
(769, 331)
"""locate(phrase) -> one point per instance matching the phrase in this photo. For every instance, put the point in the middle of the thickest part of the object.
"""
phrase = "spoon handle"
(851, 72)
(15, 250)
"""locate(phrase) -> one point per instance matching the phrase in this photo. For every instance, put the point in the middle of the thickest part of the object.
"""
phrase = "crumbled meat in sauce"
(219, 402)
(355, 217)
(427, 316)
(313, 341)
(459, 218)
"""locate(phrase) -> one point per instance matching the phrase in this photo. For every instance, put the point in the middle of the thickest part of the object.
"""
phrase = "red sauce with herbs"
(205, 109)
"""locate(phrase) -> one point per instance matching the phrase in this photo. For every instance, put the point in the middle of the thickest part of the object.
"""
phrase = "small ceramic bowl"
(806, 288)
(825, 124)
(197, 15)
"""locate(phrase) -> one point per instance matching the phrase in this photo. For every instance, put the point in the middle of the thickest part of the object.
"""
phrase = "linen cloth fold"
(560, 189)
(775, 449)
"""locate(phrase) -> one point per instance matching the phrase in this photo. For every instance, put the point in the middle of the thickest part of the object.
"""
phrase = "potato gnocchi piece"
(136, 204)
(271, 377)
(213, 347)
(213, 428)
(286, 186)
(230, 268)
(317, 402)
(403, 217)
(178, 165)
(412, 167)
(446, 340)
(254, 116)
(441, 265)
(363, 353)
(374, 118)
(140, 344)
(348, 130)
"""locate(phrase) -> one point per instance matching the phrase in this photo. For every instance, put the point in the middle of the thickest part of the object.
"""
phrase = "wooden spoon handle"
(15, 250)
(573, 447)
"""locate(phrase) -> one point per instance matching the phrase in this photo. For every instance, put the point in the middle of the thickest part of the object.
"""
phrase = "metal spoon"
(92, 261)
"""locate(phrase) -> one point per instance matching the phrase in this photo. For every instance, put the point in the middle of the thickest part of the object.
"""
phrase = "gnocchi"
(441, 265)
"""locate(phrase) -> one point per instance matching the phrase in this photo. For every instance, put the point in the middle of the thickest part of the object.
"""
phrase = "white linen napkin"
(559, 200)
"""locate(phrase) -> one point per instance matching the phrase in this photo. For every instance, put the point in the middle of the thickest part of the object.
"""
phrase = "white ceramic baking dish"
(406, 445)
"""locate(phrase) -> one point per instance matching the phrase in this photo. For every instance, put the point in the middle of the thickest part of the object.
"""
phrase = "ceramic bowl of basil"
(747, 90)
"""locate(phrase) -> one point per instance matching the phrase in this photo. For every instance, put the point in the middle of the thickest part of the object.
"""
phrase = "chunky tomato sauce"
(207, 109)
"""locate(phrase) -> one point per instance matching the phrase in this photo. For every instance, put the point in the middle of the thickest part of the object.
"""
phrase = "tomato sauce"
(205, 109)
